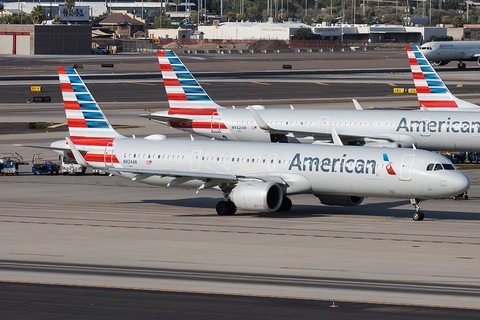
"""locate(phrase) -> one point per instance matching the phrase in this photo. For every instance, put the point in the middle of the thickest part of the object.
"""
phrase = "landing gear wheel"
(225, 208)
(461, 65)
(418, 216)
(286, 205)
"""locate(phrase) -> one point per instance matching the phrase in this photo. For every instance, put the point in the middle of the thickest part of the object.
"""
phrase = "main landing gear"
(226, 208)
(417, 215)
(286, 204)
(461, 65)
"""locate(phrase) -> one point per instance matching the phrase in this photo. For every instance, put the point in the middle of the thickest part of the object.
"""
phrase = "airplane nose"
(461, 183)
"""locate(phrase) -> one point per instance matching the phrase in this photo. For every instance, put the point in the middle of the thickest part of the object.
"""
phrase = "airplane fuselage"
(436, 131)
(329, 170)
(451, 50)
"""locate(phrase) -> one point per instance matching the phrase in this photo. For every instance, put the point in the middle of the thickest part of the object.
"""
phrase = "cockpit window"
(438, 166)
(448, 166)
(430, 167)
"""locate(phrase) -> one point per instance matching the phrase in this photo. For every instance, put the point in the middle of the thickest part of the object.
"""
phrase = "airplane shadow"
(392, 209)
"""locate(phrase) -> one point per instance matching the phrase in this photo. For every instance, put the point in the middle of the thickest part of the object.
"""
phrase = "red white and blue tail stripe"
(431, 91)
(184, 93)
(89, 129)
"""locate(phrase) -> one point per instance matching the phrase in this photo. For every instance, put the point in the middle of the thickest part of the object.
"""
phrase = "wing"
(163, 118)
(43, 147)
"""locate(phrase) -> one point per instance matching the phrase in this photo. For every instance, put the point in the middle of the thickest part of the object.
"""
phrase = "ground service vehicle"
(9, 163)
(70, 166)
(41, 166)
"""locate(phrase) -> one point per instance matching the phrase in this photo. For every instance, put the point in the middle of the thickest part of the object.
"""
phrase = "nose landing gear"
(417, 215)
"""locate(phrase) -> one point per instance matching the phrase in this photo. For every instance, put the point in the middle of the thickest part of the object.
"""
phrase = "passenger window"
(438, 166)
(430, 167)
(448, 166)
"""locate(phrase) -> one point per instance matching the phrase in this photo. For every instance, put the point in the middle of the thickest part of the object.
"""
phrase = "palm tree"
(177, 2)
(37, 14)
(69, 4)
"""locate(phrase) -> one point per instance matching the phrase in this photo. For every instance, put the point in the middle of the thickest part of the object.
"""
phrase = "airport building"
(287, 31)
(45, 39)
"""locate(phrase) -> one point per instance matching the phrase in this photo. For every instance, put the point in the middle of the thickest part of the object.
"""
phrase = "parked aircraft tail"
(89, 129)
(185, 95)
(431, 91)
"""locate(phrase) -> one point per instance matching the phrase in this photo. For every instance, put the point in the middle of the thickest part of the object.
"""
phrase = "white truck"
(70, 166)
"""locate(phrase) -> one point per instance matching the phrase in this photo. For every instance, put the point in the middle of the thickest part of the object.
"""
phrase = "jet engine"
(346, 201)
(441, 63)
(257, 196)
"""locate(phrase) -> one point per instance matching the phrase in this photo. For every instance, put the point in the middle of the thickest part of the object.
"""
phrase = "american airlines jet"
(192, 110)
(442, 52)
(253, 176)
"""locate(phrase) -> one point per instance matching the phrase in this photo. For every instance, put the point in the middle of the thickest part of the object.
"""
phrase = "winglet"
(260, 122)
(78, 156)
(357, 105)
(336, 139)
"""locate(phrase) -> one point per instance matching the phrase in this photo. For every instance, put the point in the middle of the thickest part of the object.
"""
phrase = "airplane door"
(323, 125)
(406, 167)
(108, 155)
(215, 123)
(195, 160)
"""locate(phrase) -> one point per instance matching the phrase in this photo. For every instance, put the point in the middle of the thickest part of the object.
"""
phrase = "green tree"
(329, 18)
(177, 2)
(69, 4)
(152, 14)
(304, 33)
(447, 19)
(457, 22)
(193, 16)
(37, 14)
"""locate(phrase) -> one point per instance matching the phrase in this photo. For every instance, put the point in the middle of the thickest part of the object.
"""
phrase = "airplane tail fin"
(432, 93)
(89, 129)
(184, 93)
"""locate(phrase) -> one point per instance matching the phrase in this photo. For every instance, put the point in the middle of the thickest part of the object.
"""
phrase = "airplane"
(253, 176)
(442, 52)
(193, 111)
(432, 92)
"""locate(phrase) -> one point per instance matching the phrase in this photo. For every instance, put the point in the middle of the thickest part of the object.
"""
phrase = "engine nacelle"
(346, 201)
(257, 196)
(441, 63)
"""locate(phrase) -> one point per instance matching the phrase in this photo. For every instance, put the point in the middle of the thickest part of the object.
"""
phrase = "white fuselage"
(451, 50)
(436, 131)
(330, 170)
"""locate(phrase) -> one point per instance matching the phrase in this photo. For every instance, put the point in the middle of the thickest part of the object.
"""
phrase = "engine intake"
(257, 196)
(346, 201)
